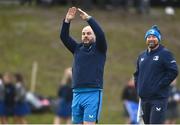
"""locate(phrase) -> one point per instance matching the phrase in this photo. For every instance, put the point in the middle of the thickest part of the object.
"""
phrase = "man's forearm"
(100, 37)
(65, 31)
(95, 26)
(66, 39)
(168, 78)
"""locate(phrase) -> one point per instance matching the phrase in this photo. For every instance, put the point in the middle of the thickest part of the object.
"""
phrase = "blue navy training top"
(89, 61)
(10, 95)
(155, 72)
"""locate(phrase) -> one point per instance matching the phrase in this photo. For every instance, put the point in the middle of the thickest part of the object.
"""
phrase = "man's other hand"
(70, 14)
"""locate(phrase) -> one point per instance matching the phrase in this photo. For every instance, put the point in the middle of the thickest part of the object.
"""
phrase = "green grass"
(29, 34)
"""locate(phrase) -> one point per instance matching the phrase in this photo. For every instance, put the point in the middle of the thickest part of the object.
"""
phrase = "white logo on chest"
(156, 58)
(142, 59)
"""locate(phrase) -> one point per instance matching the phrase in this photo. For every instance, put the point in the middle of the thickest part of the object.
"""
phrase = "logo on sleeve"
(156, 58)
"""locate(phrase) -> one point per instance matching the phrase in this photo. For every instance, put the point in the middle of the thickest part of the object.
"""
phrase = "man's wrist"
(88, 17)
(67, 21)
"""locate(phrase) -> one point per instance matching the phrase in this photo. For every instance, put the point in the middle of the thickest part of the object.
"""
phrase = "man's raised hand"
(70, 14)
(83, 14)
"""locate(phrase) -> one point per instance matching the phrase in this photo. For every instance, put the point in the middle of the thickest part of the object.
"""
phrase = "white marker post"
(33, 76)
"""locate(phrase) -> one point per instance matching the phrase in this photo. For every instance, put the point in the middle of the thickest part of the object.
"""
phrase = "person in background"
(130, 101)
(23, 2)
(9, 97)
(22, 108)
(143, 6)
(2, 91)
(172, 113)
(63, 114)
(1, 78)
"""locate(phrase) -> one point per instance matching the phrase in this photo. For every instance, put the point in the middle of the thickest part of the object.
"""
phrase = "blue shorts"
(86, 106)
(64, 109)
(132, 109)
(21, 109)
(8, 111)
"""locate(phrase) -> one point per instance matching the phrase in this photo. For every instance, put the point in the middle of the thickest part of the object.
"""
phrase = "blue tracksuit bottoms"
(154, 111)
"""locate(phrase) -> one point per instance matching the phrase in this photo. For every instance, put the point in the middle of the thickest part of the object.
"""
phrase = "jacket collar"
(155, 51)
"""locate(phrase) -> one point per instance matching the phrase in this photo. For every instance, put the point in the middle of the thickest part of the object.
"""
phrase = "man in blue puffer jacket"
(156, 69)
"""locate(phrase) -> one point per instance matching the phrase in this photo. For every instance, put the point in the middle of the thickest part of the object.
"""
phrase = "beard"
(152, 45)
(87, 41)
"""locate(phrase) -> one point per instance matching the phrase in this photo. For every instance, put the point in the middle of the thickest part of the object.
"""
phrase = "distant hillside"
(29, 34)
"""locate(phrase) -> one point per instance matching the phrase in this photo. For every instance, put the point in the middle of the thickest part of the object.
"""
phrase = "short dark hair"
(18, 77)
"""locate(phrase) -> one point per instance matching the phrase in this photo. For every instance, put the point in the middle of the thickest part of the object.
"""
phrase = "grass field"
(29, 34)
